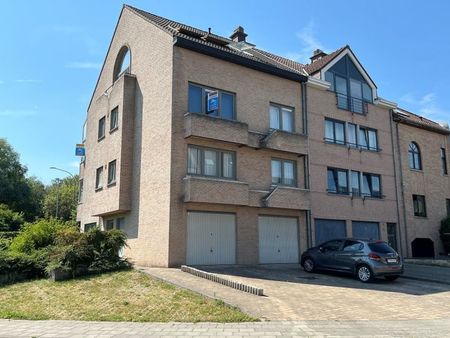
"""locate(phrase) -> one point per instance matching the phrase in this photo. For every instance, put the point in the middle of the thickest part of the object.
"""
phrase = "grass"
(119, 296)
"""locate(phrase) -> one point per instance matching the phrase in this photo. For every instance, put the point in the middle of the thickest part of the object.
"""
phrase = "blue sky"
(52, 52)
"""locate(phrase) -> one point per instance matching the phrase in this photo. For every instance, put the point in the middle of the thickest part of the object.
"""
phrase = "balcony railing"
(351, 103)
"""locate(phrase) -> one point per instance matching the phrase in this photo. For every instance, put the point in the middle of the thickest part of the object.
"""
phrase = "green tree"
(10, 220)
(61, 199)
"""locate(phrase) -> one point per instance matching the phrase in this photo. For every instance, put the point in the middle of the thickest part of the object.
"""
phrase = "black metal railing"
(351, 103)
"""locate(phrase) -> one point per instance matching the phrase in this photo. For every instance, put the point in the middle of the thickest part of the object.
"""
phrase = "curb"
(218, 279)
(426, 280)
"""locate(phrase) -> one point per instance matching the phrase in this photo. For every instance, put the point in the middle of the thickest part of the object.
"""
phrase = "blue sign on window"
(213, 101)
(80, 150)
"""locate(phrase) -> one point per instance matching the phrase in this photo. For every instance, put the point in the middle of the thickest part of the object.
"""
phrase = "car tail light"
(374, 256)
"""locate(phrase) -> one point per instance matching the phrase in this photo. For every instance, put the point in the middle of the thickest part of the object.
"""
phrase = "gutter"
(237, 59)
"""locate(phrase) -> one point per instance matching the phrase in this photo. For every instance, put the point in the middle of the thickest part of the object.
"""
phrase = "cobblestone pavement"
(291, 294)
(78, 329)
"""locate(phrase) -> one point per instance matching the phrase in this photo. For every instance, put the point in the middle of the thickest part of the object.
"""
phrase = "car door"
(349, 254)
(327, 254)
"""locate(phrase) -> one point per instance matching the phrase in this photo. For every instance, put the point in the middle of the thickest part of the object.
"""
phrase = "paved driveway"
(291, 294)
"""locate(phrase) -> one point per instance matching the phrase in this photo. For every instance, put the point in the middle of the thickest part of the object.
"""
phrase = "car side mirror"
(321, 248)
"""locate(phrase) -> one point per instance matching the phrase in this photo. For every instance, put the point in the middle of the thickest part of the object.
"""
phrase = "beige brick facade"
(153, 191)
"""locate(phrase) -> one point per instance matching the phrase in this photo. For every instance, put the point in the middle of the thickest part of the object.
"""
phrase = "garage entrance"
(278, 240)
(423, 248)
(211, 238)
(366, 230)
(326, 229)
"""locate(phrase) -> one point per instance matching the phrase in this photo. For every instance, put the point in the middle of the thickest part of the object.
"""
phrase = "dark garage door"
(368, 230)
(327, 229)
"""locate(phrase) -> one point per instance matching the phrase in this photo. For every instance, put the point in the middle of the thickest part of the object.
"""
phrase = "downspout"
(395, 180)
(304, 98)
(401, 188)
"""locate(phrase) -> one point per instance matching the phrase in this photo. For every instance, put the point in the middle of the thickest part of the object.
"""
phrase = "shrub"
(10, 220)
(444, 231)
(37, 235)
(20, 263)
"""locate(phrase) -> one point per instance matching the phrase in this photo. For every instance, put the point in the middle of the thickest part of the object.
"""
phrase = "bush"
(444, 231)
(37, 235)
(10, 220)
(6, 238)
(20, 263)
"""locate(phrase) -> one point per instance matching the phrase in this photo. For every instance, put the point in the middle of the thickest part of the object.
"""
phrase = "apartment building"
(208, 150)
(421, 148)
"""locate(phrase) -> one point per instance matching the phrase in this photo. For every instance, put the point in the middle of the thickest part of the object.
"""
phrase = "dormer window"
(352, 90)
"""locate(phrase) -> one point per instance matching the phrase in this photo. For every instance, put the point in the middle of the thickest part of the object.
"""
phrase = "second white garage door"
(278, 240)
(211, 238)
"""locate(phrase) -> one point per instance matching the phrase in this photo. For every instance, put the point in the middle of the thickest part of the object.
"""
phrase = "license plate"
(392, 260)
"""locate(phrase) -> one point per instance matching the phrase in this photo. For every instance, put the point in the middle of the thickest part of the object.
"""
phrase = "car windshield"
(381, 247)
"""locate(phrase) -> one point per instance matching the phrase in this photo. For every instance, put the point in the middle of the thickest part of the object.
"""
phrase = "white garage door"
(278, 240)
(211, 238)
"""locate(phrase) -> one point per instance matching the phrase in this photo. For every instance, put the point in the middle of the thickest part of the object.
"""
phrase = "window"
(84, 133)
(415, 162)
(98, 178)
(352, 246)
(368, 138)
(198, 102)
(333, 245)
(355, 183)
(114, 119)
(444, 161)
(334, 131)
(283, 172)
(112, 172)
(89, 226)
(109, 224)
(281, 118)
(419, 206)
(80, 190)
(371, 185)
(447, 202)
(337, 181)
(101, 128)
(120, 223)
(211, 162)
(123, 63)
(352, 138)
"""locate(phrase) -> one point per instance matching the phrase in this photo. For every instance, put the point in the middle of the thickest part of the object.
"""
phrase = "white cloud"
(28, 81)
(426, 105)
(308, 41)
(18, 112)
(83, 65)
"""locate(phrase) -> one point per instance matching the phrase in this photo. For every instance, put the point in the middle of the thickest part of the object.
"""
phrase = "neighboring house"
(422, 148)
(208, 150)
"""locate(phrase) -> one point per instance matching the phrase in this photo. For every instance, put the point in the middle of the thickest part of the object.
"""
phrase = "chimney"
(238, 34)
(317, 55)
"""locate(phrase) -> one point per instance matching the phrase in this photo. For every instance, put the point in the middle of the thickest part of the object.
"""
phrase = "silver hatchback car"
(365, 259)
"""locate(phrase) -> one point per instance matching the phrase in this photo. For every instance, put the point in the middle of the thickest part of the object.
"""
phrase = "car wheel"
(308, 265)
(391, 278)
(364, 273)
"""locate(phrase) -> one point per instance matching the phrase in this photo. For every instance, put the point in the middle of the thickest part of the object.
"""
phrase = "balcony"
(200, 125)
(353, 104)
(284, 141)
(281, 197)
(217, 191)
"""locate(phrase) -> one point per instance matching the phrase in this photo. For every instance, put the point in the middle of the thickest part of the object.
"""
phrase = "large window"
(352, 90)
(419, 206)
(112, 172)
(211, 162)
(340, 132)
(114, 119)
(415, 161)
(281, 118)
(101, 128)
(337, 181)
(334, 131)
(284, 172)
(198, 102)
(99, 178)
(355, 183)
(123, 63)
(371, 185)
(444, 162)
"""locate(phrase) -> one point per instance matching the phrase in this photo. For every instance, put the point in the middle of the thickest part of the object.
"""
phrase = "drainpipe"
(399, 152)
(304, 99)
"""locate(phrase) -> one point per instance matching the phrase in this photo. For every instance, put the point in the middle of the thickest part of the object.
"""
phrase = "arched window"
(123, 62)
(415, 162)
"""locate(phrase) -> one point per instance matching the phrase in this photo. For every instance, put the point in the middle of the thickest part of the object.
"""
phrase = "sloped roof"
(406, 117)
(216, 41)
(314, 67)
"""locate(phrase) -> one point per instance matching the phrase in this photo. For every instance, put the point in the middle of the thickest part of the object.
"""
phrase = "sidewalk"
(427, 273)
(78, 329)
